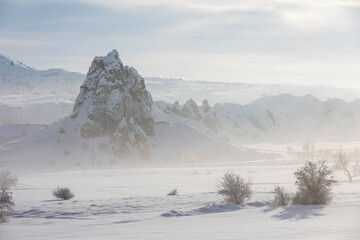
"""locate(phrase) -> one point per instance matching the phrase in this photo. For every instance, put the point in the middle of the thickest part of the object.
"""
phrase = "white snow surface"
(133, 204)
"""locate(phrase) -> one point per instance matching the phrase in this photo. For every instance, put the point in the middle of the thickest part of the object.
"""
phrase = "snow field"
(132, 204)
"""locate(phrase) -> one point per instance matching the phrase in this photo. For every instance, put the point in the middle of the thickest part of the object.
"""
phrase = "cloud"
(247, 40)
(22, 42)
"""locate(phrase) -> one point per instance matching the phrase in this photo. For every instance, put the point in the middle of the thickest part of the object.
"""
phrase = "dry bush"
(7, 181)
(282, 197)
(234, 188)
(314, 182)
(63, 193)
(173, 192)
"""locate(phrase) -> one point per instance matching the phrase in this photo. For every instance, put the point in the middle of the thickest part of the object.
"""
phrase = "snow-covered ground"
(133, 204)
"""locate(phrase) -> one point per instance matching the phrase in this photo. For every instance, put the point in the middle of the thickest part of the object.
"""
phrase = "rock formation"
(113, 101)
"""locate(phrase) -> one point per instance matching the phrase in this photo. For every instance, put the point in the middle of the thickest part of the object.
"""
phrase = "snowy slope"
(29, 96)
(18, 78)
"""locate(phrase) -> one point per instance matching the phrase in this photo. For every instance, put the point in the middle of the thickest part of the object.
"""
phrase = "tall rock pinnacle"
(113, 101)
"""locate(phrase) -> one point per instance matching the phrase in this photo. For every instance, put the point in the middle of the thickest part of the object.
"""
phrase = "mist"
(179, 120)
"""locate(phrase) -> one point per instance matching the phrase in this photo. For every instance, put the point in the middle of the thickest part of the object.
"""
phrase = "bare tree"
(235, 188)
(63, 193)
(342, 163)
(7, 181)
(314, 182)
(282, 197)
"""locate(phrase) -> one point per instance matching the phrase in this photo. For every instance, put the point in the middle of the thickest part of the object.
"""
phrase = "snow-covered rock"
(113, 101)
(278, 119)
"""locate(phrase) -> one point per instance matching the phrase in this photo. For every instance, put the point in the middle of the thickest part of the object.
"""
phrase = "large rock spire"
(113, 101)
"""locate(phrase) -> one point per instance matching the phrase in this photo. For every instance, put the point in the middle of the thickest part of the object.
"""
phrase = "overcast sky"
(260, 41)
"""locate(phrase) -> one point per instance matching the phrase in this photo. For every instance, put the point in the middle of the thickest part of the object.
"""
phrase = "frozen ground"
(132, 204)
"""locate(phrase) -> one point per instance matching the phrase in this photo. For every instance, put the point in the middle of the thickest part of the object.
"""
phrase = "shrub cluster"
(314, 182)
(63, 193)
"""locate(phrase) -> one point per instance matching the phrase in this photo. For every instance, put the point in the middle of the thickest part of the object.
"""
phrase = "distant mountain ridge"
(171, 90)
(256, 120)
(283, 118)
(18, 78)
(29, 96)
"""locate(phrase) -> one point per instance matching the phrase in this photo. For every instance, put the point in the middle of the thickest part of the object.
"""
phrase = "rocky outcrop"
(190, 110)
(113, 101)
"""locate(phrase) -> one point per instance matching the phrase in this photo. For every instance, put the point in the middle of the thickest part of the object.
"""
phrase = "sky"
(254, 41)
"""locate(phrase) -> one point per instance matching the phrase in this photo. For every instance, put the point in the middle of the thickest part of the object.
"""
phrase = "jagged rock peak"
(190, 110)
(113, 101)
(205, 106)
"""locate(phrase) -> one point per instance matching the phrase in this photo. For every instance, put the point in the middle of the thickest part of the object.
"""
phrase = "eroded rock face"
(205, 106)
(190, 110)
(113, 101)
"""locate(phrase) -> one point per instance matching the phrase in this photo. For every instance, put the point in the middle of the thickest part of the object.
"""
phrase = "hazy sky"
(284, 41)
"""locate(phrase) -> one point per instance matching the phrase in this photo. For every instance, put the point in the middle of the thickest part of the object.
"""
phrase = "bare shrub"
(173, 192)
(7, 181)
(314, 182)
(6, 200)
(282, 197)
(342, 163)
(234, 188)
(62, 130)
(63, 193)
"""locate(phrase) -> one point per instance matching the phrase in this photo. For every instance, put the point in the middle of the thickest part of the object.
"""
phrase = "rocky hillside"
(278, 119)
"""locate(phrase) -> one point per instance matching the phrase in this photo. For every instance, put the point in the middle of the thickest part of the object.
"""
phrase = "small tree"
(7, 181)
(342, 163)
(63, 193)
(282, 197)
(314, 182)
(235, 188)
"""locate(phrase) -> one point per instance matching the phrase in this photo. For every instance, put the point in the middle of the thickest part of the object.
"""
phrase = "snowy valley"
(115, 119)
(122, 142)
